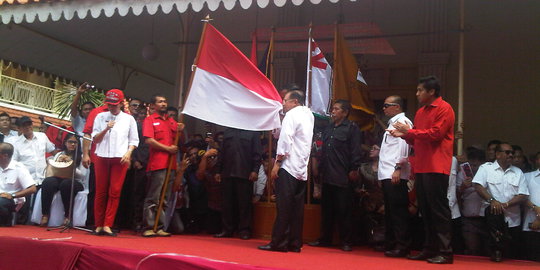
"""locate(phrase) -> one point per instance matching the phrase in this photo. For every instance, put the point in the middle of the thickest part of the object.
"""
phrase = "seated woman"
(52, 184)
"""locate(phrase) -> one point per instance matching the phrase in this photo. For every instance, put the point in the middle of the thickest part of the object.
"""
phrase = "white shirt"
(258, 187)
(12, 134)
(78, 124)
(503, 186)
(14, 178)
(472, 203)
(533, 183)
(394, 150)
(451, 194)
(117, 140)
(295, 141)
(31, 153)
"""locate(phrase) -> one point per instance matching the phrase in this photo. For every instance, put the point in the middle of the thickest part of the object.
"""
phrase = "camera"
(90, 87)
(209, 134)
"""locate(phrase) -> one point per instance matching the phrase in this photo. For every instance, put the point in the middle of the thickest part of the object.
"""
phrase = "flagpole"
(460, 76)
(172, 157)
(309, 91)
(269, 71)
(336, 66)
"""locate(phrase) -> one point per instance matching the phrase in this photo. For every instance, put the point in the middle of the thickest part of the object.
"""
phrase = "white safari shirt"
(14, 178)
(31, 153)
(503, 186)
(295, 141)
(394, 151)
(533, 183)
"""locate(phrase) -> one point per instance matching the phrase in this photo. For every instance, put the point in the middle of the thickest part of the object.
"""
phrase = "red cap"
(114, 97)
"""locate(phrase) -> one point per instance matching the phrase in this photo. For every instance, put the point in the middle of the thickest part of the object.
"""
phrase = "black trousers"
(6, 209)
(130, 208)
(91, 196)
(532, 245)
(503, 238)
(475, 235)
(431, 193)
(290, 195)
(396, 215)
(237, 206)
(53, 184)
(336, 208)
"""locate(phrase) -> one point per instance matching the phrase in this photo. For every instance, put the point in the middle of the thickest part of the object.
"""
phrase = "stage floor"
(246, 252)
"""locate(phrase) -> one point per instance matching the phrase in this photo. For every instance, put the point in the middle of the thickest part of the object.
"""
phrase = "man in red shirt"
(159, 131)
(432, 139)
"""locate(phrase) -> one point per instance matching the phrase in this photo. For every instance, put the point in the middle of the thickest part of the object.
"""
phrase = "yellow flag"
(346, 84)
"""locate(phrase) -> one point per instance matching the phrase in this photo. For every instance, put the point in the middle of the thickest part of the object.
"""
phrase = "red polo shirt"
(162, 130)
(433, 138)
(89, 126)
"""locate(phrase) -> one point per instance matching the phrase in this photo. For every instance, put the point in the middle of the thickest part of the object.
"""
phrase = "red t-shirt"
(162, 130)
(89, 126)
(433, 138)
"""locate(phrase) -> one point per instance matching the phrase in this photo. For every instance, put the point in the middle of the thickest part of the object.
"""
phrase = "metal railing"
(26, 94)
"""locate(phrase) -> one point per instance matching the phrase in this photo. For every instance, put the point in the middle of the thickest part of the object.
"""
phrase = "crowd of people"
(406, 191)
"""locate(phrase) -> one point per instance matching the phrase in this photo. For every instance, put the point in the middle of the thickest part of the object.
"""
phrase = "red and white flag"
(321, 80)
(229, 90)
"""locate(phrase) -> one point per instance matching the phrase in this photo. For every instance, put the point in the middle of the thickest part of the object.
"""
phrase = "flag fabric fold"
(321, 76)
(349, 84)
(228, 89)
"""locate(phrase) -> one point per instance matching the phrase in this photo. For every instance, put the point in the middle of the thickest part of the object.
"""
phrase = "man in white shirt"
(15, 183)
(503, 188)
(531, 225)
(393, 172)
(30, 149)
(78, 117)
(5, 127)
(293, 150)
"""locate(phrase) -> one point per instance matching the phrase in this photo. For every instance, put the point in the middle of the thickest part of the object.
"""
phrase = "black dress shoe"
(223, 235)
(346, 248)
(440, 259)
(294, 249)
(496, 256)
(422, 256)
(318, 243)
(108, 233)
(271, 248)
(396, 253)
(245, 235)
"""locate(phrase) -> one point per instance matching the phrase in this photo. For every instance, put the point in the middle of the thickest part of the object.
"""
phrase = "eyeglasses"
(135, 105)
(285, 100)
(72, 142)
(508, 152)
(386, 105)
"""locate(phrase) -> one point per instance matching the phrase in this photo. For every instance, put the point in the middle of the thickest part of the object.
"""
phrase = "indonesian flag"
(321, 76)
(229, 90)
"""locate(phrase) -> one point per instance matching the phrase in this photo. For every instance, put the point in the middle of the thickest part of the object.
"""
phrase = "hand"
(6, 195)
(253, 176)
(126, 158)
(184, 164)
(317, 191)
(177, 185)
(217, 178)
(256, 198)
(353, 176)
(86, 161)
(274, 173)
(172, 149)
(535, 225)
(396, 177)
(82, 88)
(137, 165)
(211, 153)
(467, 182)
(496, 207)
(110, 124)
(537, 211)
(180, 127)
(401, 127)
(396, 133)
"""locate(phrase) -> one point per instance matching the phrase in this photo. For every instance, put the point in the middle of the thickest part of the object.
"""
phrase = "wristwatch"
(397, 167)
(12, 195)
(490, 200)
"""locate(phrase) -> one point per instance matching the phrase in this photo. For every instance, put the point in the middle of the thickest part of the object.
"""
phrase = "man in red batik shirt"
(432, 139)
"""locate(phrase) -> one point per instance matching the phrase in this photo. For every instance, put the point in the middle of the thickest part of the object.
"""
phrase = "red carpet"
(245, 252)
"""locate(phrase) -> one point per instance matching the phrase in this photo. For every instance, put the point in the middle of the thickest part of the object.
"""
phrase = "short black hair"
(345, 105)
(5, 114)
(537, 156)
(492, 142)
(398, 100)
(154, 97)
(171, 108)
(431, 83)
(499, 149)
(298, 95)
(89, 103)
(7, 148)
(517, 148)
(291, 87)
(474, 153)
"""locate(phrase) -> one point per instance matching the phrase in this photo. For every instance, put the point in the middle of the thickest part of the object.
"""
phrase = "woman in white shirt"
(52, 184)
(115, 135)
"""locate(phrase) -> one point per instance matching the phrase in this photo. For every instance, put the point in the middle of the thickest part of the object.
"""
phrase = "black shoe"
(440, 259)
(245, 235)
(346, 247)
(223, 234)
(496, 256)
(380, 248)
(108, 233)
(294, 249)
(318, 243)
(421, 256)
(271, 248)
(396, 253)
